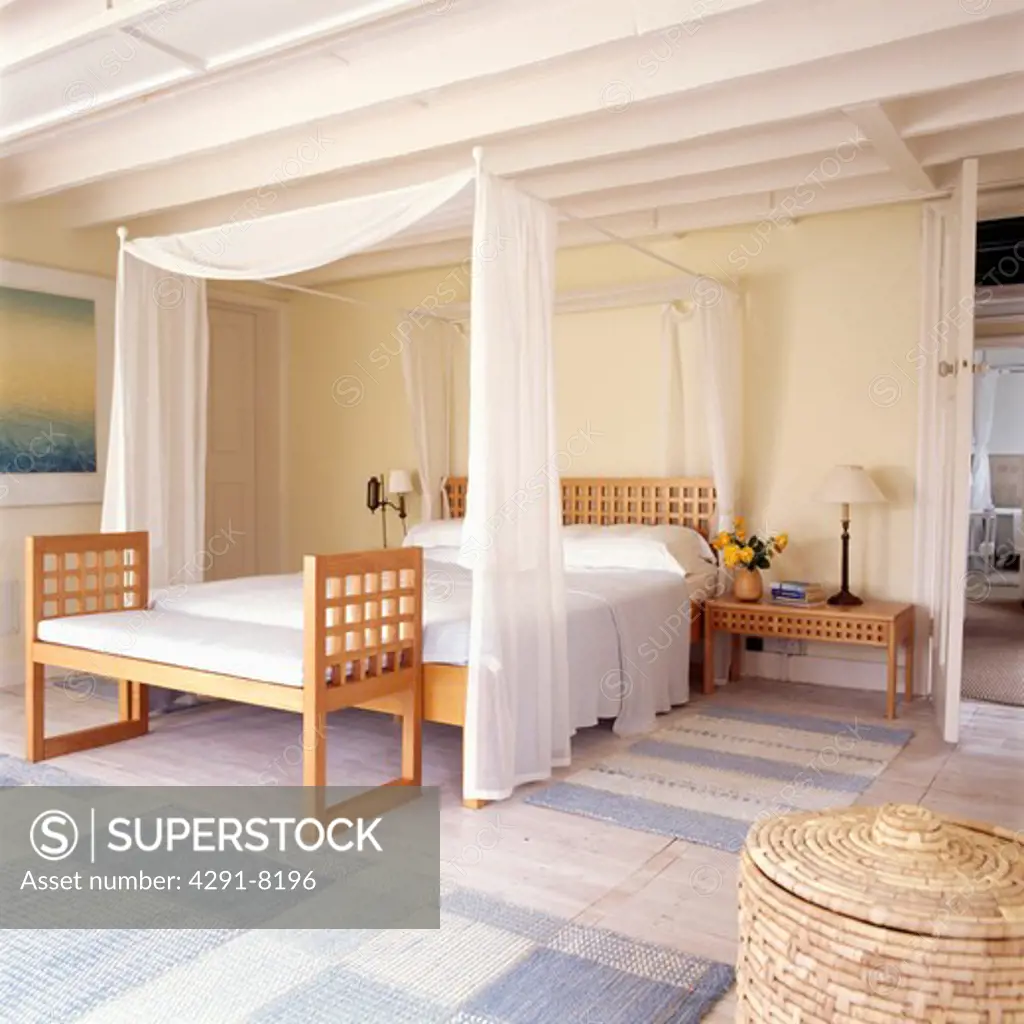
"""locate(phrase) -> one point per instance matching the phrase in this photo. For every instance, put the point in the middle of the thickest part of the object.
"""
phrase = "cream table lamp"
(846, 486)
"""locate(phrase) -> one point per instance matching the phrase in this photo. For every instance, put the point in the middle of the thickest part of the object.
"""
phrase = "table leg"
(709, 655)
(736, 658)
(909, 666)
(890, 688)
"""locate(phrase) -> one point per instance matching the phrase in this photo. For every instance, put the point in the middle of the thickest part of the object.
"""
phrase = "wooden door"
(231, 507)
(952, 435)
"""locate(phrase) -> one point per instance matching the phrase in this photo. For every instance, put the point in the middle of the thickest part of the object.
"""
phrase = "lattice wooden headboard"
(655, 501)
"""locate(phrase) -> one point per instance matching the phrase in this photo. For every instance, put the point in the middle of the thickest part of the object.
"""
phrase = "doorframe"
(936, 525)
(927, 518)
(272, 328)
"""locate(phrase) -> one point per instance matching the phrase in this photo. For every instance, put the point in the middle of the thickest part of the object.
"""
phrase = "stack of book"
(798, 593)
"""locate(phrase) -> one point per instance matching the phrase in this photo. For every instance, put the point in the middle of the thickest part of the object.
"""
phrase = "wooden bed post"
(412, 700)
(314, 677)
(35, 675)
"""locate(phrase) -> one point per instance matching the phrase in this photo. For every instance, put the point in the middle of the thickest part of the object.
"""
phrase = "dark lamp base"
(845, 598)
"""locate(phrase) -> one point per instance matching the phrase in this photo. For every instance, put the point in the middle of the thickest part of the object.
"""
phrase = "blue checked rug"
(714, 772)
(491, 962)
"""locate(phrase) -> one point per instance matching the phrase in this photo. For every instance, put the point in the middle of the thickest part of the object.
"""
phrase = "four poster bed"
(356, 630)
(657, 501)
(350, 628)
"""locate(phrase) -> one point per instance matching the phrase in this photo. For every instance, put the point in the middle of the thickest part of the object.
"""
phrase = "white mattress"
(629, 642)
(266, 653)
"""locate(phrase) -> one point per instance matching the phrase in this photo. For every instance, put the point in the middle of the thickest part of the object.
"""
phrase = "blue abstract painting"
(47, 383)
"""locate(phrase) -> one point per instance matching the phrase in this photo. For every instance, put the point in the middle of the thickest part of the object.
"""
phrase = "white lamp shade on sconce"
(400, 482)
(850, 485)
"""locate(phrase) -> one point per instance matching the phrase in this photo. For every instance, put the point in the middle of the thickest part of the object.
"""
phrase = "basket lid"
(899, 866)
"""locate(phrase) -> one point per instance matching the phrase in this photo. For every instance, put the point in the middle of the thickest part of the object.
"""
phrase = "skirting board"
(847, 673)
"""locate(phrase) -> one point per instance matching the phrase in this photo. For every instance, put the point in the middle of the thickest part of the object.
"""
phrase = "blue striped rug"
(714, 772)
(490, 962)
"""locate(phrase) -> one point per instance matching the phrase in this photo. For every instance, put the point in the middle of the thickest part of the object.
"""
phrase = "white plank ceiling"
(654, 116)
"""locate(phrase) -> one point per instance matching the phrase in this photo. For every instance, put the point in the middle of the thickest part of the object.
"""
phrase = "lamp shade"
(400, 482)
(850, 485)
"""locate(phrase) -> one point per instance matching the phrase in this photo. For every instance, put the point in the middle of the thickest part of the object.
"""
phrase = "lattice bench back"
(363, 614)
(85, 574)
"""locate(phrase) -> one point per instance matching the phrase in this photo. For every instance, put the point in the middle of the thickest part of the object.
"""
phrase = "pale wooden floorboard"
(646, 886)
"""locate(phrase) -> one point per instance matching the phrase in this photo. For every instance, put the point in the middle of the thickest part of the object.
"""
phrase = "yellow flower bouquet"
(742, 552)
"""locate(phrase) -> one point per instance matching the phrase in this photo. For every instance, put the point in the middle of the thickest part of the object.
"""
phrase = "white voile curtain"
(156, 461)
(714, 352)
(986, 387)
(427, 370)
(289, 243)
(156, 464)
(673, 404)
(721, 336)
(517, 702)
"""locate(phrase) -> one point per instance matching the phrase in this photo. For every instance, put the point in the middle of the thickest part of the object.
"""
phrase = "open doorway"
(994, 617)
(244, 466)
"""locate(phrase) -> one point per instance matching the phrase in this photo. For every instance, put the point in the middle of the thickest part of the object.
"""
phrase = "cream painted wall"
(349, 418)
(832, 312)
(32, 234)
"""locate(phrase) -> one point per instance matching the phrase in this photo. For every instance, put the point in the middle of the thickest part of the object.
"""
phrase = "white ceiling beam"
(997, 171)
(725, 51)
(417, 63)
(189, 60)
(717, 153)
(235, 64)
(986, 139)
(876, 124)
(996, 202)
(528, 159)
(75, 33)
(817, 173)
(913, 66)
(951, 109)
(781, 98)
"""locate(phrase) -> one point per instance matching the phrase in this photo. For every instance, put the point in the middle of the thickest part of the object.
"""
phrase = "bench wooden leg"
(140, 704)
(133, 702)
(314, 744)
(476, 805)
(35, 705)
(412, 738)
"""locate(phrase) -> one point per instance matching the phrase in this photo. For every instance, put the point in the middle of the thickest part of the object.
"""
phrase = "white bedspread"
(268, 654)
(629, 640)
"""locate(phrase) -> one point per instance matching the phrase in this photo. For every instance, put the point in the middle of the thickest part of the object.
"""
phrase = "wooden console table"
(872, 624)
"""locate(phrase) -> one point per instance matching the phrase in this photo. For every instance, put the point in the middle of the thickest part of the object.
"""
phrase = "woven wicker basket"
(879, 916)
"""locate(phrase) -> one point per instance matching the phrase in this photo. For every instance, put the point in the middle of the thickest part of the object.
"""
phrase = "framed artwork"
(56, 359)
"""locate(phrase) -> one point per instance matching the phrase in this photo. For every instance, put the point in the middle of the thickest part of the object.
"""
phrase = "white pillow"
(436, 533)
(676, 549)
(447, 556)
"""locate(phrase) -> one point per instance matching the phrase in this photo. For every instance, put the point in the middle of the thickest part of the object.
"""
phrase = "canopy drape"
(427, 371)
(721, 335)
(517, 712)
(673, 397)
(517, 702)
(156, 464)
(299, 240)
(713, 353)
(986, 387)
(156, 460)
